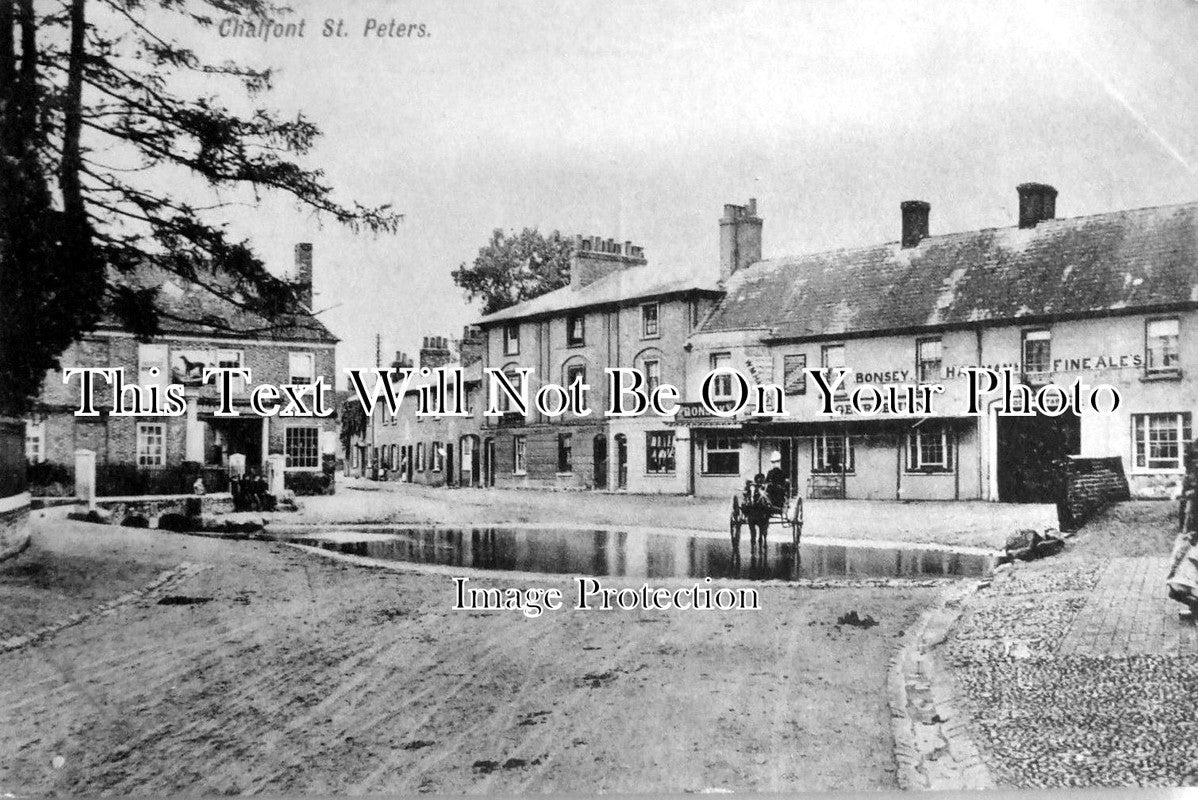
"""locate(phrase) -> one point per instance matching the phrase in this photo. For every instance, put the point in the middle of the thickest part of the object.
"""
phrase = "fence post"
(85, 476)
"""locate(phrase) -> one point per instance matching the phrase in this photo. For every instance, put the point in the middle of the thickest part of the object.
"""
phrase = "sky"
(639, 120)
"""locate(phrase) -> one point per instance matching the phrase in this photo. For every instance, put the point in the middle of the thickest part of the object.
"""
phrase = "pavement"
(1076, 670)
(1128, 614)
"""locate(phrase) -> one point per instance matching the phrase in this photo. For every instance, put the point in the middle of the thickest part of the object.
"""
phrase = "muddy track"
(303, 675)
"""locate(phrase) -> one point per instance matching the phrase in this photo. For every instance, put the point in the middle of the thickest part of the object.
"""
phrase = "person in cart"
(775, 482)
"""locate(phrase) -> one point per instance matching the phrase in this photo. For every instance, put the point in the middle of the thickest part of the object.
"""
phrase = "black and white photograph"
(596, 397)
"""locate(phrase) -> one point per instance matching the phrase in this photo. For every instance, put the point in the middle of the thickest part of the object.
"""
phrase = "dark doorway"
(450, 478)
(489, 461)
(1027, 450)
(599, 449)
(226, 437)
(621, 461)
(411, 463)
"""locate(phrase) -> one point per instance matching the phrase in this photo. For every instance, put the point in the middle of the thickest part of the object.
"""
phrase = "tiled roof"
(1125, 259)
(194, 304)
(624, 286)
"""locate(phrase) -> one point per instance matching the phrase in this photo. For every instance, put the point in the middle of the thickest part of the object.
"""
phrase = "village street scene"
(922, 513)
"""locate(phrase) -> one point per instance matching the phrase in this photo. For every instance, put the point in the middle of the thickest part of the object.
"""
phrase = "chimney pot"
(915, 221)
(1037, 202)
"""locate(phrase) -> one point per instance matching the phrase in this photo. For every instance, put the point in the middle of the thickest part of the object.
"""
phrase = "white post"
(276, 464)
(194, 440)
(85, 476)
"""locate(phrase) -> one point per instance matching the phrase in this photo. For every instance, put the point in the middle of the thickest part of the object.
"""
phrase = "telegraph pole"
(374, 448)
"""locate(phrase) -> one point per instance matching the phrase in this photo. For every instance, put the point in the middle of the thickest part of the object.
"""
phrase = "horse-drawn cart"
(758, 506)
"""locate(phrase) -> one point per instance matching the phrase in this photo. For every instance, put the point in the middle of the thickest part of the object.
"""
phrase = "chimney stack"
(915, 221)
(303, 273)
(402, 361)
(435, 352)
(1037, 202)
(471, 347)
(740, 238)
(596, 258)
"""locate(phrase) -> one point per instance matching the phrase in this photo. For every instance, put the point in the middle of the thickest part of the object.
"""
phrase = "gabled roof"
(624, 286)
(1103, 263)
(188, 306)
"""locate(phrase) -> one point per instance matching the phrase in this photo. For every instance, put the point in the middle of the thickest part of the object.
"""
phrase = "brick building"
(1109, 299)
(297, 348)
(616, 312)
(437, 450)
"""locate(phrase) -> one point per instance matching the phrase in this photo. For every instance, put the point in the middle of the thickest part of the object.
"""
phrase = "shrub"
(308, 483)
(50, 479)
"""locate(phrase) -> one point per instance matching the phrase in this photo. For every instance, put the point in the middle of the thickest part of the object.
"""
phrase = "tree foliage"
(353, 423)
(108, 167)
(516, 267)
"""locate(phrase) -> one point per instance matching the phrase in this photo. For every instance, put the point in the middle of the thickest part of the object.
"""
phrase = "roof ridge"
(972, 232)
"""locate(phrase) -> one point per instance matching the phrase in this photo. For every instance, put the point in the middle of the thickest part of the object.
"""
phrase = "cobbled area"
(1047, 719)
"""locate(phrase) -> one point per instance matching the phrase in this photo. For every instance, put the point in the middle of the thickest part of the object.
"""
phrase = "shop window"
(35, 441)
(1037, 352)
(151, 444)
(652, 369)
(302, 447)
(576, 330)
(1162, 345)
(649, 320)
(420, 456)
(659, 453)
(721, 387)
(794, 379)
(930, 450)
(832, 453)
(511, 340)
(927, 360)
(519, 455)
(565, 452)
(301, 368)
(1158, 440)
(721, 456)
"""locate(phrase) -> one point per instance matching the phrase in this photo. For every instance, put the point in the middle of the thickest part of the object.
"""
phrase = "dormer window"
(576, 334)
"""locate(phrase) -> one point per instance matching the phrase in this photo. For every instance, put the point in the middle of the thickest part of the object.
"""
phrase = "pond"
(636, 554)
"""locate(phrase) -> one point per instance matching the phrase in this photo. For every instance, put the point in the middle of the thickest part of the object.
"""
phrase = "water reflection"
(642, 555)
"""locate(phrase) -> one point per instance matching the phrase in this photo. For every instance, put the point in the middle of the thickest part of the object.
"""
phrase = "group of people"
(763, 498)
(250, 493)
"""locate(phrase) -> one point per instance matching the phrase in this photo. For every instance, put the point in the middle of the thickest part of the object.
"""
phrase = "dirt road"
(307, 675)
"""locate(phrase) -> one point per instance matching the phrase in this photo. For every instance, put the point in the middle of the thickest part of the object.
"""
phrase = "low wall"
(1092, 484)
(156, 506)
